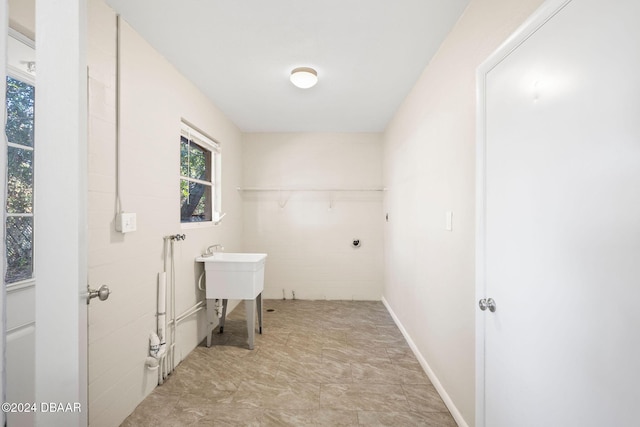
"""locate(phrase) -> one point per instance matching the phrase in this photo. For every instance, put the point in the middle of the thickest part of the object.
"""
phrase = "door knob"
(102, 293)
(487, 303)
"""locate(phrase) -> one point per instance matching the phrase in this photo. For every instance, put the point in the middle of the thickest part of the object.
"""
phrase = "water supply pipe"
(167, 328)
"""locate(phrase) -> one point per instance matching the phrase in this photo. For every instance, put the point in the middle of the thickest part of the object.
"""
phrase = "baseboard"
(427, 369)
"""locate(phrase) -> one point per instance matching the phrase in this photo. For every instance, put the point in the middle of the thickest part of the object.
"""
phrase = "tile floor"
(328, 363)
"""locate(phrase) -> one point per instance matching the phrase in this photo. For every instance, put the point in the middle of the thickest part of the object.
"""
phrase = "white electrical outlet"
(126, 222)
(449, 221)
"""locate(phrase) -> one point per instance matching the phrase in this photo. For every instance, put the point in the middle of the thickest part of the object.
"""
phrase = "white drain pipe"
(162, 325)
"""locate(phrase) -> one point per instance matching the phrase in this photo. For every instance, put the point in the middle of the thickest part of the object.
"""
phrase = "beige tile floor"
(318, 363)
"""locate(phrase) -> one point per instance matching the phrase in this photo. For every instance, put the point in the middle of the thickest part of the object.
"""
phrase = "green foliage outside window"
(195, 197)
(20, 112)
(20, 105)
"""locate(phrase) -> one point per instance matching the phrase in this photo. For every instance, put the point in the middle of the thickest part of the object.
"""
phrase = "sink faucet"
(214, 248)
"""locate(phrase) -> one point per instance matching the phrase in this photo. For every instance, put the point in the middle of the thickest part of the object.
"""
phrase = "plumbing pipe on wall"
(162, 325)
(200, 305)
(162, 307)
(168, 332)
(167, 326)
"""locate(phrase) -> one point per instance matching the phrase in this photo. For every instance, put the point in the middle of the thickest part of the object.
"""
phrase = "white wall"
(307, 235)
(429, 157)
(23, 17)
(154, 99)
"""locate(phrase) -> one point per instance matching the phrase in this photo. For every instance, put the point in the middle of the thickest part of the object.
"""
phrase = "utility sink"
(231, 275)
(234, 276)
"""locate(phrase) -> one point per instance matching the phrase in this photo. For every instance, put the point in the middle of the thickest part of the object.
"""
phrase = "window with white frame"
(199, 176)
(19, 131)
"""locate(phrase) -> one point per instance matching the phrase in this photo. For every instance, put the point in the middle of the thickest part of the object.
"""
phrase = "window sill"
(202, 224)
(191, 225)
(24, 284)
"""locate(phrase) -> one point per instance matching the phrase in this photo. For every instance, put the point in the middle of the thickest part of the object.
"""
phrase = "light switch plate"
(449, 221)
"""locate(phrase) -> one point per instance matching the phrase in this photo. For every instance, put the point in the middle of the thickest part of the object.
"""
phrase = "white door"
(559, 220)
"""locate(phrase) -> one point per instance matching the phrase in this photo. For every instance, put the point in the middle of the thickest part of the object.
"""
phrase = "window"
(199, 177)
(19, 132)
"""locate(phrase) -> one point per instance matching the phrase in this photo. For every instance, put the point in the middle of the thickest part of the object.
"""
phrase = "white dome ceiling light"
(304, 77)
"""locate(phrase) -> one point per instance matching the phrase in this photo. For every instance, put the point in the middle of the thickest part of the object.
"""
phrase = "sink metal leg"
(211, 315)
(224, 314)
(259, 301)
(250, 308)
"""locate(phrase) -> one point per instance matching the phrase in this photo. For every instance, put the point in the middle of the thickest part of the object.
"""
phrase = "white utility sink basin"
(233, 275)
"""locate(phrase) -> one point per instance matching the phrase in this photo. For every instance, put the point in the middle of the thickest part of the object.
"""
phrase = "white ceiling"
(368, 54)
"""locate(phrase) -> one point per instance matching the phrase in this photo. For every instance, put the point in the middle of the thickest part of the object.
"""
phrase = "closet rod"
(307, 189)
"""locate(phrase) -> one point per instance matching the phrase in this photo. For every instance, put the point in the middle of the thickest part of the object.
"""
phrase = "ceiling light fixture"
(304, 77)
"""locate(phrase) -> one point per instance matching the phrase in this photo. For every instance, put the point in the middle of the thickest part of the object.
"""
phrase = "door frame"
(19, 327)
(61, 179)
(544, 13)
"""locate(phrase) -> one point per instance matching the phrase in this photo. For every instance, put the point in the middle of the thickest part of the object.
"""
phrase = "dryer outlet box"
(126, 222)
